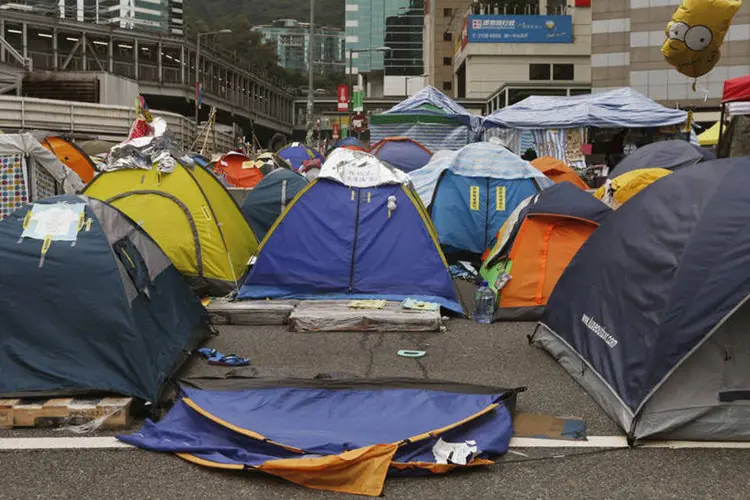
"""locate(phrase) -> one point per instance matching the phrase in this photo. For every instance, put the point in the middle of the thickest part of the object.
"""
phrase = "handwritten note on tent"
(58, 222)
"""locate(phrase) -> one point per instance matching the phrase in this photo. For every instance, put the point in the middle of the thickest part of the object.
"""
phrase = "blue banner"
(520, 29)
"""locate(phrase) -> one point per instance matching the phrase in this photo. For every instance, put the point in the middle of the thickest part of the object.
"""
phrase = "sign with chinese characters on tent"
(343, 98)
(520, 29)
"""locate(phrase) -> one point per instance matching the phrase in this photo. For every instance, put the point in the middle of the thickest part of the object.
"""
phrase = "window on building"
(539, 72)
(447, 12)
(447, 61)
(447, 36)
(447, 86)
(563, 72)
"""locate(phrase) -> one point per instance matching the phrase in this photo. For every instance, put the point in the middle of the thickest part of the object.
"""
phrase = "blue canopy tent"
(429, 117)
(402, 152)
(265, 203)
(350, 142)
(357, 231)
(471, 192)
(342, 435)
(651, 316)
(672, 155)
(90, 304)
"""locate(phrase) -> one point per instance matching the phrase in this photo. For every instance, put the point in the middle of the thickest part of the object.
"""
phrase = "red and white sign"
(583, 3)
(343, 97)
(335, 131)
(359, 123)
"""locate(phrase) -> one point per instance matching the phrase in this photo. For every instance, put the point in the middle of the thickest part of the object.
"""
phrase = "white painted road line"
(105, 443)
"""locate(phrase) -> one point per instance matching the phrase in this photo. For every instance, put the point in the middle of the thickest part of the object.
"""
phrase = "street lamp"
(197, 65)
(358, 51)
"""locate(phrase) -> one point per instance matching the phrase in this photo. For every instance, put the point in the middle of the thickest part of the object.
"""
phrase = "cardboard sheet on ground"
(58, 222)
(549, 427)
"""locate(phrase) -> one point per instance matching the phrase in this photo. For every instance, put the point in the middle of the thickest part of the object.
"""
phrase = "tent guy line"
(103, 443)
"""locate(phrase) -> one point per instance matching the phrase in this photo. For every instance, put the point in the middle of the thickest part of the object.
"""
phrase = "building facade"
(542, 46)
(164, 16)
(439, 17)
(396, 24)
(627, 38)
(292, 41)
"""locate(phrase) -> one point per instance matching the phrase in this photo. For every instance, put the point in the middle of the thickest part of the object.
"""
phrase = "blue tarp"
(252, 427)
(672, 155)
(340, 240)
(622, 107)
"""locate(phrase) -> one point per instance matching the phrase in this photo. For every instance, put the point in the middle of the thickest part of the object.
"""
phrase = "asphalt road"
(489, 354)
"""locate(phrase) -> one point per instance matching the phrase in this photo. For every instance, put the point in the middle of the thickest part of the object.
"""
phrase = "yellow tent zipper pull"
(45, 247)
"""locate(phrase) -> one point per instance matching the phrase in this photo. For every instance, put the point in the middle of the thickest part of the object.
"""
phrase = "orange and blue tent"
(71, 156)
(402, 152)
(337, 435)
(238, 170)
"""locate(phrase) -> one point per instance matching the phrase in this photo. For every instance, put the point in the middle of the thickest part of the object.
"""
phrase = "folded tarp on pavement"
(343, 436)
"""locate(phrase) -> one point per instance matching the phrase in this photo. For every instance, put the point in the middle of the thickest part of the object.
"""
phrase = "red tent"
(238, 170)
(737, 89)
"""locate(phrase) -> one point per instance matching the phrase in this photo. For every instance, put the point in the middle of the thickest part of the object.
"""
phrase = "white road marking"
(104, 443)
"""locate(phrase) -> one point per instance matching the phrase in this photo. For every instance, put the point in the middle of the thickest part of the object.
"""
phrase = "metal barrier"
(95, 120)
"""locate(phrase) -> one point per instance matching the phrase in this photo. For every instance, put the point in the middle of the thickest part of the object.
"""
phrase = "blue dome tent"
(268, 199)
(357, 231)
(471, 192)
(297, 153)
(651, 316)
(403, 153)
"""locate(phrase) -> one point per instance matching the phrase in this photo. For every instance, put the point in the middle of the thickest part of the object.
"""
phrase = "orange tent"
(534, 247)
(71, 156)
(558, 171)
(238, 169)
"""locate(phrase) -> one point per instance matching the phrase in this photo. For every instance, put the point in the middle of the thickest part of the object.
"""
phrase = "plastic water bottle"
(484, 304)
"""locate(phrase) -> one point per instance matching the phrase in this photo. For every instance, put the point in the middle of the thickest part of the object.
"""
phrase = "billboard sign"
(520, 29)
(358, 100)
(343, 98)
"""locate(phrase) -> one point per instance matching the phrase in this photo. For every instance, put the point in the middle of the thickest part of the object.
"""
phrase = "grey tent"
(31, 172)
(264, 204)
(651, 316)
(89, 304)
(671, 155)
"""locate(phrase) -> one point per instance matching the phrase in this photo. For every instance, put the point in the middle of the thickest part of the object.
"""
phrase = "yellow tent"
(710, 137)
(623, 187)
(190, 215)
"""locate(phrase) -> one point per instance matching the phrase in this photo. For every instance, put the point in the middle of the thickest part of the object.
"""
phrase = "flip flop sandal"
(209, 353)
(231, 360)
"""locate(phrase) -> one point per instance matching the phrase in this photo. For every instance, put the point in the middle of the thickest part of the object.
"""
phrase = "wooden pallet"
(250, 312)
(337, 316)
(58, 412)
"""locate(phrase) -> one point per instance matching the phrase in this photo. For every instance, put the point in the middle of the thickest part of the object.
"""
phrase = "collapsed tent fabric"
(238, 170)
(71, 156)
(623, 107)
(297, 153)
(89, 304)
(671, 155)
(357, 231)
(470, 193)
(430, 117)
(343, 436)
(535, 246)
(615, 192)
(267, 201)
(654, 307)
(402, 152)
(192, 217)
(558, 171)
(30, 172)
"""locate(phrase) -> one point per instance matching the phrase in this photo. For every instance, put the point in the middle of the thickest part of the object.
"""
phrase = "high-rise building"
(626, 42)
(164, 16)
(372, 25)
(439, 17)
(292, 41)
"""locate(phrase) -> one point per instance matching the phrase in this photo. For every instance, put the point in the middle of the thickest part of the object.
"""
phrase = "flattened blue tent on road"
(357, 231)
(344, 436)
(651, 316)
(471, 192)
(89, 304)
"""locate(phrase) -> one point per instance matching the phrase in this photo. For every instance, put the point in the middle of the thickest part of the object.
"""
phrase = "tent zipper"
(354, 245)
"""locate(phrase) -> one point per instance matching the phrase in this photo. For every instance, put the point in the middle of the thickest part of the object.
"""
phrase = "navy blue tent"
(268, 199)
(650, 317)
(341, 435)
(672, 155)
(357, 231)
(89, 303)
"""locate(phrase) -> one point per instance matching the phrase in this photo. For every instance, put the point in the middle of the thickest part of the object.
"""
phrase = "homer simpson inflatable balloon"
(695, 34)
